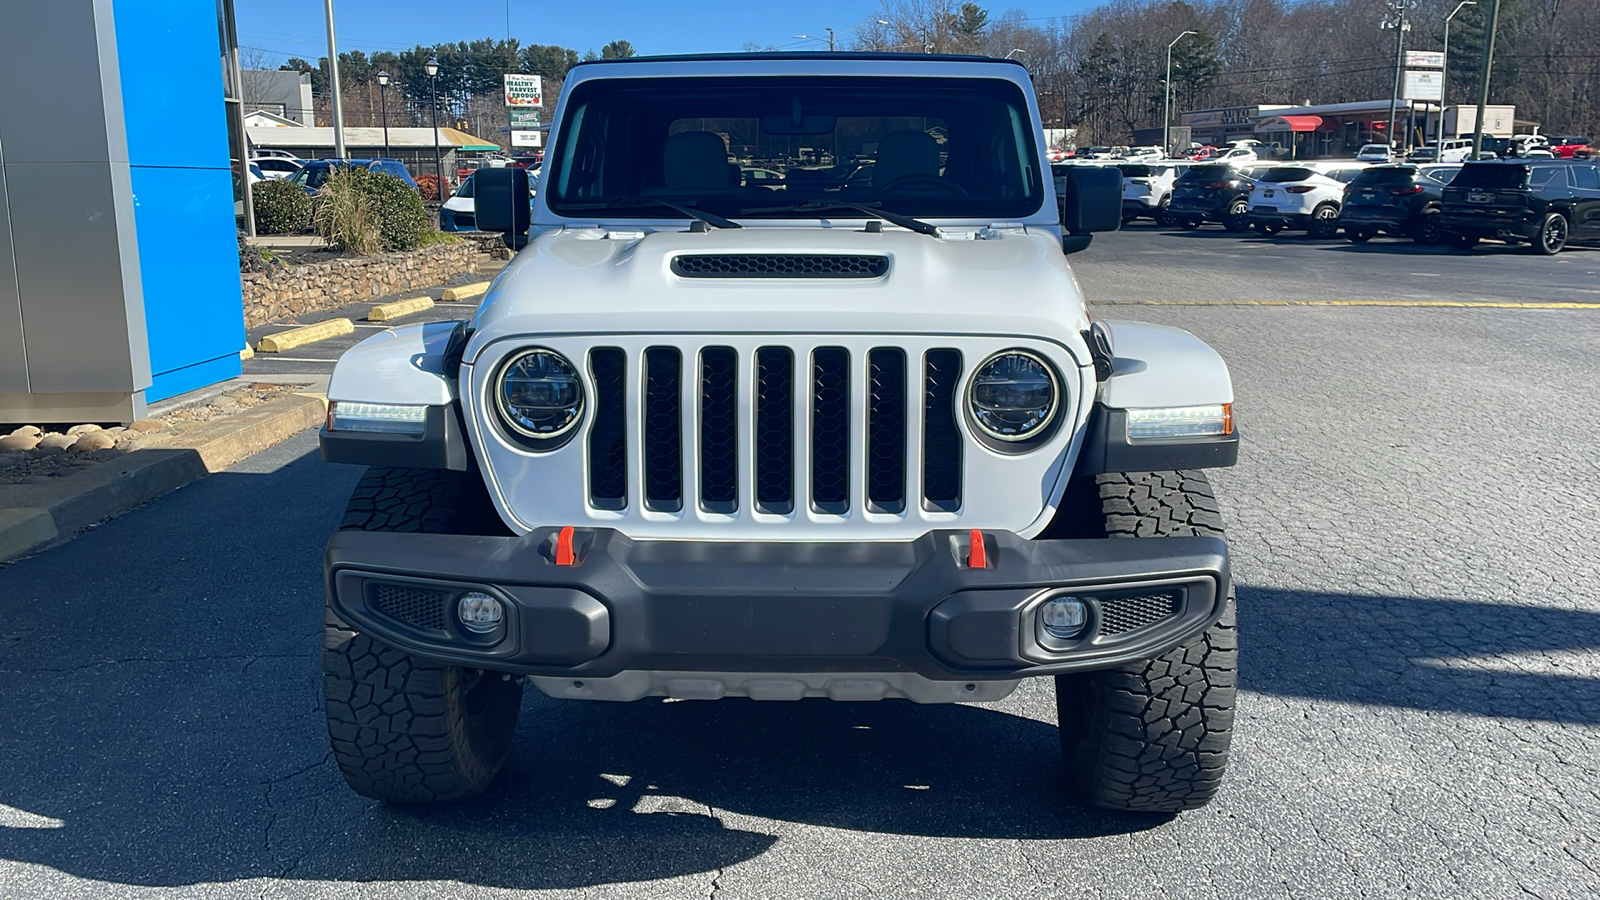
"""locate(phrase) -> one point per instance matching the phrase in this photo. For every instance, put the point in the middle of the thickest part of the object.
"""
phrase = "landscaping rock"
(54, 443)
(19, 441)
(92, 441)
(82, 429)
(148, 426)
(26, 431)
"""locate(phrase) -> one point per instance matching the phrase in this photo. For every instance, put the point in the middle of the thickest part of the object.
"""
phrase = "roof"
(1334, 109)
(821, 55)
(407, 138)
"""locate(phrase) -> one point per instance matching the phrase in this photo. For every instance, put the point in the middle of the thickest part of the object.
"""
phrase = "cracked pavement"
(1412, 522)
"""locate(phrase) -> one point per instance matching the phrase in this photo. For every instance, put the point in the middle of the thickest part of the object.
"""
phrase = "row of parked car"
(1545, 203)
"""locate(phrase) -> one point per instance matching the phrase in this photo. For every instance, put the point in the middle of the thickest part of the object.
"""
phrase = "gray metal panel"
(13, 361)
(77, 273)
(63, 102)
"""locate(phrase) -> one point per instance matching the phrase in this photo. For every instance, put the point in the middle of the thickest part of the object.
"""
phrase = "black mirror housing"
(1094, 200)
(500, 200)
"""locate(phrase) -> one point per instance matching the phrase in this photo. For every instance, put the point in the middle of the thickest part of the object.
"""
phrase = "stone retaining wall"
(282, 294)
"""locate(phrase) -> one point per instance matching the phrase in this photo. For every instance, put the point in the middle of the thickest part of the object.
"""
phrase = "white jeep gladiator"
(844, 430)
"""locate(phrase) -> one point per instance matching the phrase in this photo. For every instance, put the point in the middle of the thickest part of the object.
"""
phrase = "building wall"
(287, 94)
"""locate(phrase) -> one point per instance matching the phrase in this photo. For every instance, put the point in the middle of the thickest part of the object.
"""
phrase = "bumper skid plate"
(845, 620)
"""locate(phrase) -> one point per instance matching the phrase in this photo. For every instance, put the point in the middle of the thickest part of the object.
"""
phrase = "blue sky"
(283, 28)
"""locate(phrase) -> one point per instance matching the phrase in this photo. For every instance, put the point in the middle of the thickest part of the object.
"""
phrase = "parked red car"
(1571, 147)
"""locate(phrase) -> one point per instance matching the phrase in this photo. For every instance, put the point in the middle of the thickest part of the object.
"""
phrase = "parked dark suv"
(1402, 201)
(1542, 203)
(314, 174)
(1213, 192)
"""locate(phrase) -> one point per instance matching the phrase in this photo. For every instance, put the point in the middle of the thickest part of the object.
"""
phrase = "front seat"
(695, 160)
(904, 153)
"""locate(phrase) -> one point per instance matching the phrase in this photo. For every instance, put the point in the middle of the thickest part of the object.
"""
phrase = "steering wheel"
(923, 180)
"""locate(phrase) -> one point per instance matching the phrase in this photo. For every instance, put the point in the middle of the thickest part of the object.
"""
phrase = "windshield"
(1286, 174)
(1207, 173)
(1491, 175)
(951, 147)
(1386, 175)
(1140, 171)
(465, 190)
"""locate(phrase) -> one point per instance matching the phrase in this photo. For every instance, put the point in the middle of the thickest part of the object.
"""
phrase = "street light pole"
(831, 39)
(1166, 109)
(335, 105)
(383, 104)
(432, 68)
(1444, 78)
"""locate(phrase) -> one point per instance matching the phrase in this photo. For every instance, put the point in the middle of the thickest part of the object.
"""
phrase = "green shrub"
(281, 207)
(402, 220)
(345, 214)
(365, 212)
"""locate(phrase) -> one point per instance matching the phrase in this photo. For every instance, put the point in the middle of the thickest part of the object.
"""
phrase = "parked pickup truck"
(811, 437)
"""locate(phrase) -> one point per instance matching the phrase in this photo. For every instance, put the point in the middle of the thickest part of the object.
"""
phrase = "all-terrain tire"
(403, 729)
(1154, 735)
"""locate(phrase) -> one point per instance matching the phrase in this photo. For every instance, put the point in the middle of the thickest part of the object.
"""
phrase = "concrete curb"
(36, 516)
(466, 291)
(388, 312)
(305, 334)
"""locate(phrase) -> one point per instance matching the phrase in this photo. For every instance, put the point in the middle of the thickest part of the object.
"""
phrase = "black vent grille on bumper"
(801, 408)
(779, 265)
(418, 607)
(1121, 615)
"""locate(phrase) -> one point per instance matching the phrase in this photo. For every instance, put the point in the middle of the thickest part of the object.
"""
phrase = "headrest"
(902, 153)
(695, 159)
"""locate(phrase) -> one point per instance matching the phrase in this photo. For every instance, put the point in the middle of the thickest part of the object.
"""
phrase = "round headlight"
(540, 395)
(1014, 396)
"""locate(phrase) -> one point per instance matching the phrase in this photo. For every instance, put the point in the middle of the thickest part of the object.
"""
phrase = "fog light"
(480, 613)
(1064, 617)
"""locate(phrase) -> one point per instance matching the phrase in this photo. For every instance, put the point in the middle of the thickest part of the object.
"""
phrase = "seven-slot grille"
(804, 429)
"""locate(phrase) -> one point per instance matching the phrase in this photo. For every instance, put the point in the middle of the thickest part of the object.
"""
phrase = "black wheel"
(1268, 229)
(403, 729)
(1463, 241)
(1429, 228)
(1164, 212)
(1360, 235)
(1552, 237)
(1154, 735)
(1324, 222)
(1237, 219)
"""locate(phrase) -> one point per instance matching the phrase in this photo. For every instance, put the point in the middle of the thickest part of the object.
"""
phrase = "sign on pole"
(526, 119)
(524, 91)
(1422, 85)
(1424, 59)
(527, 138)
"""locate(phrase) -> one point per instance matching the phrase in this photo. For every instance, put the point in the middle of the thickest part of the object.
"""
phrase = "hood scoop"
(779, 265)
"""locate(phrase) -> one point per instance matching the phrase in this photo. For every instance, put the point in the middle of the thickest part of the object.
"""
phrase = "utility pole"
(1483, 86)
(333, 87)
(1399, 9)
(1444, 78)
(831, 39)
(1166, 109)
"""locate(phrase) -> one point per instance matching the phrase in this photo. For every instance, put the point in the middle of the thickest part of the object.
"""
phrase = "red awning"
(1288, 123)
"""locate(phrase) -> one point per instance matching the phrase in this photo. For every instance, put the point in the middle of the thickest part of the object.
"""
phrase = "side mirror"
(500, 201)
(1093, 203)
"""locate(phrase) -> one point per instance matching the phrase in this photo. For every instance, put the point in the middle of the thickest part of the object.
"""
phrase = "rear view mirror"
(500, 200)
(1093, 203)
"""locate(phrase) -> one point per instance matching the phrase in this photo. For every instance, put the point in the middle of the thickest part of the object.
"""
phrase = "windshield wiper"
(686, 208)
(871, 209)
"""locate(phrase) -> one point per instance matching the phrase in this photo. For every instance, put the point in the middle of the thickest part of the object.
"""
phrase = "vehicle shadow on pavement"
(1484, 659)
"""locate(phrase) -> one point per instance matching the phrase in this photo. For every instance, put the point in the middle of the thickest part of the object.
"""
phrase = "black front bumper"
(777, 607)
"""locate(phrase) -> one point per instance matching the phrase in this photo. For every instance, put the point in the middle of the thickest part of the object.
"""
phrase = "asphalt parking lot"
(1412, 529)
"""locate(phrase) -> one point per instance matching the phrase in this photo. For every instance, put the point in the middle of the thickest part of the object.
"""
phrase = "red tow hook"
(565, 555)
(977, 553)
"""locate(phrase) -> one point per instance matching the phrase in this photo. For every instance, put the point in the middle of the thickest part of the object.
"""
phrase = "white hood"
(993, 281)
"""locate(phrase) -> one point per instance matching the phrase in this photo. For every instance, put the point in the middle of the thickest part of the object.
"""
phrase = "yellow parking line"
(1459, 304)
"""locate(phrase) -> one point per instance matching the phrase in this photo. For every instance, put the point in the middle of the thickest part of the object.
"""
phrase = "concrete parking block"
(305, 334)
(467, 291)
(388, 312)
(247, 353)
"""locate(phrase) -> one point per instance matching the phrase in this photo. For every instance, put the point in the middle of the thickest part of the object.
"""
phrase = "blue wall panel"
(172, 100)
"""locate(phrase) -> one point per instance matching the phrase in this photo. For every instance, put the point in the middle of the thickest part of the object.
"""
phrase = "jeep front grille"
(838, 457)
(418, 607)
(1121, 615)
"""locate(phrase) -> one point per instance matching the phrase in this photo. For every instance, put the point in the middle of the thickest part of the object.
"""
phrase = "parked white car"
(1375, 153)
(1238, 156)
(274, 168)
(1147, 191)
(1301, 197)
(1143, 154)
